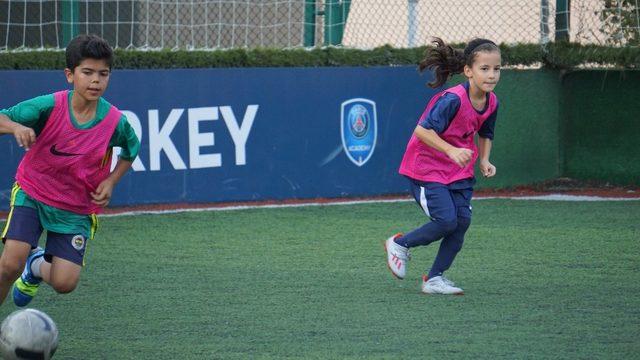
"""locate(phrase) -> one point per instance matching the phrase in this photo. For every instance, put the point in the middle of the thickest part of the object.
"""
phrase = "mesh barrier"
(401, 23)
(153, 24)
(221, 24)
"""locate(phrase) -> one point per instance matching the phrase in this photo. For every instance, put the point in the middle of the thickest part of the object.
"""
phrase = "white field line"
(550, 197)
(562, 197)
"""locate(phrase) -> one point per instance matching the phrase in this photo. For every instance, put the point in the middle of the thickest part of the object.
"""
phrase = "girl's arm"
(460, 156)
(25, 136)
(484, 151)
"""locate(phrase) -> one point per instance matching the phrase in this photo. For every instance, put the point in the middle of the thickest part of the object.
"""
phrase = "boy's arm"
(484, 151)
(125, 138)
(460, 156)
(103, 192)
(26, 119)
(25, 136)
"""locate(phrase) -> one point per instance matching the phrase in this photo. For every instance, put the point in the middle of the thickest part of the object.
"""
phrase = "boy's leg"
(62, 275)
(12, 262)
(452, 243)
(64, 256)
(437, 203)
(21, 234)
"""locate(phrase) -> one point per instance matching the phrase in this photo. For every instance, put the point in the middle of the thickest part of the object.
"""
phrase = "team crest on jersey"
(359, 128)
(78, 242)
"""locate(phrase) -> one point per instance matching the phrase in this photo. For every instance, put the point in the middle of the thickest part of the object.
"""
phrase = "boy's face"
(90, 78)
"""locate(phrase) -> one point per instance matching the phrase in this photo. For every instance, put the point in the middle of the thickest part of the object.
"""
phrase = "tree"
(620, 22)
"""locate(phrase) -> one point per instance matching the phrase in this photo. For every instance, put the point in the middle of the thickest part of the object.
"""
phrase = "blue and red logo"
(359, 129)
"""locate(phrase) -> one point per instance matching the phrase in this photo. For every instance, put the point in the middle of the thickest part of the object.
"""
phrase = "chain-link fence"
(220, 24)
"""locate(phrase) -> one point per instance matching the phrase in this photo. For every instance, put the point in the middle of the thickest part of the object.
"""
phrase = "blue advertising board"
(218, 135)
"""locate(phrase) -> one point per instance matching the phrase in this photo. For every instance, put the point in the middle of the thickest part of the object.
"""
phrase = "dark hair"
(445, 61)
(88, 47)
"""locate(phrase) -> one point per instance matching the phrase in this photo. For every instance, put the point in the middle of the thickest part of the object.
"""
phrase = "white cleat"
(447, 281)
(437, 285)
(397, 257)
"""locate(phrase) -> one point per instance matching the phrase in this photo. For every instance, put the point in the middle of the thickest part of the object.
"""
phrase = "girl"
(440, 157)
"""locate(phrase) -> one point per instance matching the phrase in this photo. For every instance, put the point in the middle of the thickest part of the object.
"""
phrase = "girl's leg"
(452, 243)
(437, 203)
(449, 248)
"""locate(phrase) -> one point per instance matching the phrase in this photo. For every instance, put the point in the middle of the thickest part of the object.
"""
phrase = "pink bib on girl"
(424, 163)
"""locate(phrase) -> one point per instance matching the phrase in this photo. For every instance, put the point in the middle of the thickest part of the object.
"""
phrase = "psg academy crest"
(359, 129)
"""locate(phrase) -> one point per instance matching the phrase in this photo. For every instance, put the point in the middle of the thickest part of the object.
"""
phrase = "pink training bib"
(424, 163)
(66, 164)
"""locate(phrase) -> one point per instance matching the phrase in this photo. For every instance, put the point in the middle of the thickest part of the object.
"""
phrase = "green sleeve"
(32, 113)
(125, 138)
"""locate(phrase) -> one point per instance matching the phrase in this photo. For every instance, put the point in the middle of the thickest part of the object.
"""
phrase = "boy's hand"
(25, 136)
(487, 169)
(461, 156)
(102, 195)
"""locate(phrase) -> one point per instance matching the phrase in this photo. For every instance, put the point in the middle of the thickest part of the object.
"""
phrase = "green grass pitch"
(542, 280)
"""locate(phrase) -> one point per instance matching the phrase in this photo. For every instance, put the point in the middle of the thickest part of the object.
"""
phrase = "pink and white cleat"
(397, 257)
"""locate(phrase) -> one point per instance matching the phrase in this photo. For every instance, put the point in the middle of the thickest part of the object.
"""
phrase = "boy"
(63, 180)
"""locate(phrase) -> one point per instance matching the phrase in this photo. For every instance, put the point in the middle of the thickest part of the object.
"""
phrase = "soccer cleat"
(397, 257)
(437, 285)
(26, 286)
(447, 281)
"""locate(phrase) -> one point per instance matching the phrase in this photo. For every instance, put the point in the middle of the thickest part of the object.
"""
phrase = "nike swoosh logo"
(53, 150)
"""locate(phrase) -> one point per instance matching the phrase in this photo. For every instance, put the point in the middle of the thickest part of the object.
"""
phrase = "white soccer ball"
(28, 334)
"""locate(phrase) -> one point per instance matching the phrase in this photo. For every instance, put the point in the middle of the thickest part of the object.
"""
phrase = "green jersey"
(34, 113)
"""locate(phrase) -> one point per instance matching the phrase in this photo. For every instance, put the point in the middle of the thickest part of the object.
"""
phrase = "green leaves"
(556, 56)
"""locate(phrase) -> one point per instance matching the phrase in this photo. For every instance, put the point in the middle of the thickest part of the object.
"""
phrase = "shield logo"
(77, 242)
(359, 128)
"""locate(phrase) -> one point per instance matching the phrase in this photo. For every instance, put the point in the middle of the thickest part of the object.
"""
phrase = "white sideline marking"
(549, 197)
(249, 207)
(562, 197)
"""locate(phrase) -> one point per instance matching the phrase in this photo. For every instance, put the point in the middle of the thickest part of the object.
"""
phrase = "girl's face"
(90, 78)
(484, 74)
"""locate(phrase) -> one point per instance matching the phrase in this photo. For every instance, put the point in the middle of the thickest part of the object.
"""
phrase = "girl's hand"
(25, 136)
(487, 168)
(461, 156)
(102, 195)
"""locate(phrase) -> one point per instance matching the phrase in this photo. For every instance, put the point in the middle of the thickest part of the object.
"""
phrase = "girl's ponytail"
(444, 61)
